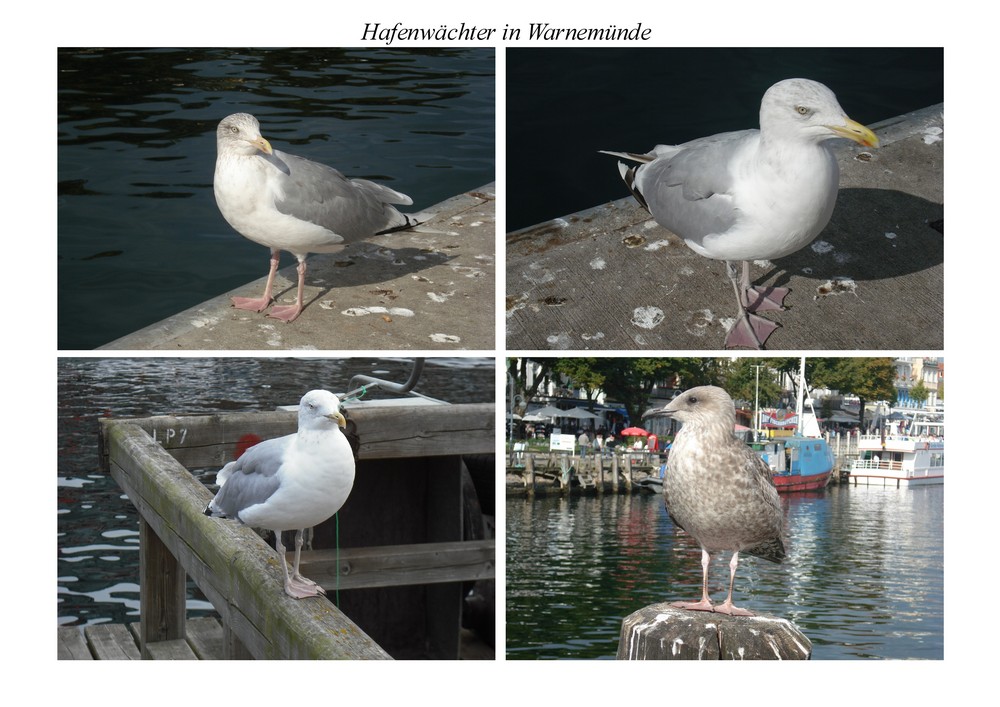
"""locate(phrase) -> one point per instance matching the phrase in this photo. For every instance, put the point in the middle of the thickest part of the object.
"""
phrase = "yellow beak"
(855, 131)
(262, 145)
(338, 417)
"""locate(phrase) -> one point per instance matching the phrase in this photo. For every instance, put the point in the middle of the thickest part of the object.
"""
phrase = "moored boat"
(797, 463)
(898, 460)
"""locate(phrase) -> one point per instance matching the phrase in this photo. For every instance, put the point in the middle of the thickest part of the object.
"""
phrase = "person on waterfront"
(584, 442)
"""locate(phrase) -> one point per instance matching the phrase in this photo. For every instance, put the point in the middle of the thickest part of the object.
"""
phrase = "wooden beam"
(205, 441)
(235, 569)
(400, 565)
(162, 591)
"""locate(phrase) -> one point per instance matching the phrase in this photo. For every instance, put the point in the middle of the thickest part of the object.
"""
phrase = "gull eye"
(801, 110)
(692, 399)
(233, 129)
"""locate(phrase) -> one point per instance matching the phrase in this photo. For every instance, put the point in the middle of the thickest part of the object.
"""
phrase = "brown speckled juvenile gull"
(717, 489)
(290, 203)
(751, 194)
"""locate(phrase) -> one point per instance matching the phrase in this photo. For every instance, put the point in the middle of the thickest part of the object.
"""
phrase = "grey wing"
(351, 208)
(686, 188)
(252, 478)
(762, 483)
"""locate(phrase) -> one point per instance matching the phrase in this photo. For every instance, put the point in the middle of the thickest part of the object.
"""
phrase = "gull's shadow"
(874, 234)
(361, 264)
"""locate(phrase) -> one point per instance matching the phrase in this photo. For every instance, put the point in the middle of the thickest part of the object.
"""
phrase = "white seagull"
(751, 194)
(290, 203)
(292, 482)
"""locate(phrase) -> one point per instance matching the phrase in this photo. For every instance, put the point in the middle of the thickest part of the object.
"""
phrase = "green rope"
(364, 390)
(336, 521)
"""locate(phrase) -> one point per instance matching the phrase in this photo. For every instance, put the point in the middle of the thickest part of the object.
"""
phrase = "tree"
(869, 378)
(517, 368)
(744, 383)
(583, 374)
(920, 393)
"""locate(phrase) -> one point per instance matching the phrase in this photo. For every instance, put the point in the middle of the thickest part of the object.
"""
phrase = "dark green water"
(563, 105)
(864, 576)
(140, 237)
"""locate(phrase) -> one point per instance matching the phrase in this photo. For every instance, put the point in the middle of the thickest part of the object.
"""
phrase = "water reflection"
(97, 526)
(863, 577)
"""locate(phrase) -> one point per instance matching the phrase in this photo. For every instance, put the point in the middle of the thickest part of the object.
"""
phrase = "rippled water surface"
(98, 535)
(864, 575)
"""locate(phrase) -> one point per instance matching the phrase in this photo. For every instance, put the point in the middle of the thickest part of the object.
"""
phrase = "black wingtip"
(410, 223)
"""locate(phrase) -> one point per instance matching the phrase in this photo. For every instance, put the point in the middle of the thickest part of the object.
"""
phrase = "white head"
(239, 133)
(320, 409)
(807, 110)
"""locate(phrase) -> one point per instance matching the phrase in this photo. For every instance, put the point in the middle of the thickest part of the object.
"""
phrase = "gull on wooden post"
(290, 203)
(292, 482)
(718, 490)
(751, 194)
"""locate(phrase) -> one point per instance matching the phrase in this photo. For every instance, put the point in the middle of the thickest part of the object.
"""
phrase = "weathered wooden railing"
(239, 573)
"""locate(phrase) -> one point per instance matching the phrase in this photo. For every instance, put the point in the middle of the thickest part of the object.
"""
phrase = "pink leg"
(748, 330)
(287, 312)
(760, 299)
(303, 582)
(259, 304)
(727, 607)
(705, 604)
(296, 588)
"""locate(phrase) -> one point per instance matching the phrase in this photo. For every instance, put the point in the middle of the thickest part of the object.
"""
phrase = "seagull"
(290, 203)
(292, 482)
(718, 490)
(751, 194)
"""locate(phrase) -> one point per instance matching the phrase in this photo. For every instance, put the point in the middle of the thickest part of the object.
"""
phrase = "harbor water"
(864, 575)
(98, 528)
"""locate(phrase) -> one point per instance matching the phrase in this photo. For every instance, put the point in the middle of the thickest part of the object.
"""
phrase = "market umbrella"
(579, 414)
(633, 432)
(548, 411)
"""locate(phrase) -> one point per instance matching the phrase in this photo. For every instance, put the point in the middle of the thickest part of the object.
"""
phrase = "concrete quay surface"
(612, 278)
(428, 288)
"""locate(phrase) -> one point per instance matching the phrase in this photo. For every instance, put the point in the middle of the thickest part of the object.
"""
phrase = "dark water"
(563, 105)
(140, 237)
(864, 576)
(98, 535)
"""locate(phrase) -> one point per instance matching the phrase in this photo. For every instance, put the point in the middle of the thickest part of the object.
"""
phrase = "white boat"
(899, 461)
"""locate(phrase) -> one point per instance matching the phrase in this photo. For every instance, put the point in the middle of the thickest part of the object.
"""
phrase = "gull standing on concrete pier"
(717, 489)
(292, 482)
(752, 194)
(289, 203)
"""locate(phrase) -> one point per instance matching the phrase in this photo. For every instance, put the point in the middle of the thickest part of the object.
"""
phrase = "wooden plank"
(177, 649)
(446, 430)
(205, 636)
(72, 645)
(206, 441)
(111, 642)
(400, 565)
(238, 573)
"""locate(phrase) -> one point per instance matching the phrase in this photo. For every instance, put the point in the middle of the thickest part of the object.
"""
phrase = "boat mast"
(801, 395)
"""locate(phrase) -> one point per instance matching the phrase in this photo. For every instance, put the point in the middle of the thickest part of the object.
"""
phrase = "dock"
(611, 278)
(401, 558)
(430, 288)
(203, 640)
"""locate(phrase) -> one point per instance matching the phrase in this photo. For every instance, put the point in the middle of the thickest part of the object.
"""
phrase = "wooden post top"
(664, 632)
